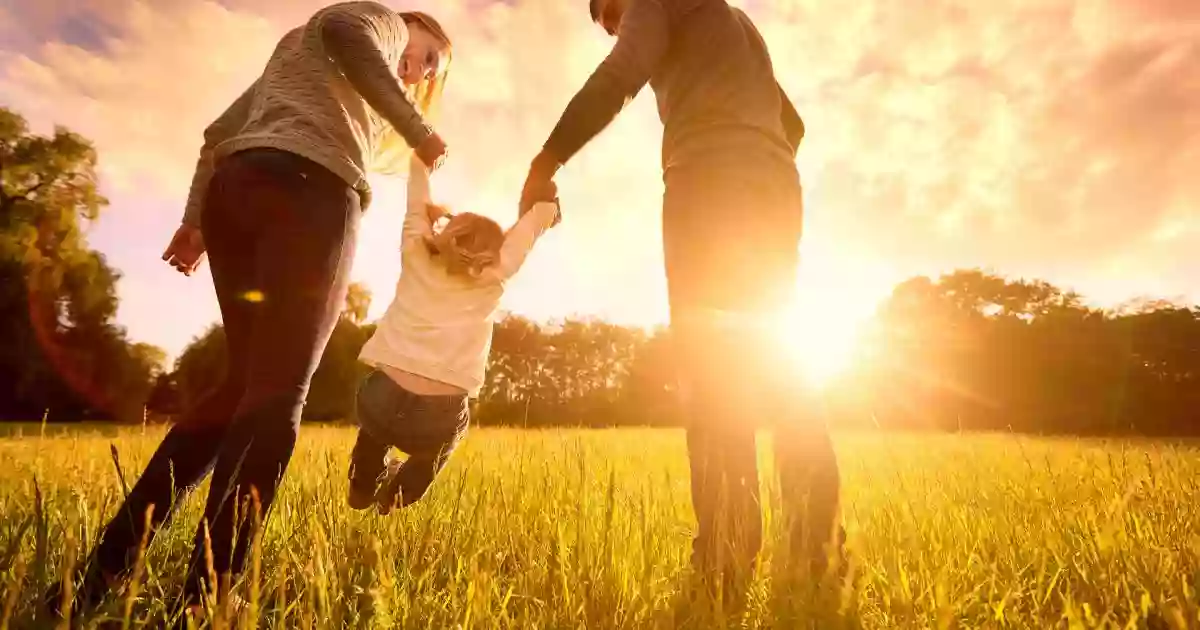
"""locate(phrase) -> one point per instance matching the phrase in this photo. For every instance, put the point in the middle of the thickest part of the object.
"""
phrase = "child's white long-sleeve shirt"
(439, 325)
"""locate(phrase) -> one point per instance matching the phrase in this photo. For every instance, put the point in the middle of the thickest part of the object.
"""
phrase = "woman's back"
(312, 98)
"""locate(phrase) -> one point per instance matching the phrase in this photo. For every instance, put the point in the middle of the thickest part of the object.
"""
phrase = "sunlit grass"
(591, 529)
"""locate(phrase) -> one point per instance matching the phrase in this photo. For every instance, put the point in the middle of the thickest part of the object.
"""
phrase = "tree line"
(975, 351)
(576, 373)
(966, 351)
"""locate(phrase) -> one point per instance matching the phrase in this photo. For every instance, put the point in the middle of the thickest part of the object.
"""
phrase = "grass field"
(591, 529)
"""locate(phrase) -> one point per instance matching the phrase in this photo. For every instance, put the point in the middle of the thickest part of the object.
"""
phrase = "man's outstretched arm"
(641, 44)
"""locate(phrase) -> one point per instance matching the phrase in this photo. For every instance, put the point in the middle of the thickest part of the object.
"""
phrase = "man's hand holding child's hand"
(539, 185)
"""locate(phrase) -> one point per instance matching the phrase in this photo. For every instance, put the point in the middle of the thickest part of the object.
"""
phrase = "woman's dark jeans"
(280, 232)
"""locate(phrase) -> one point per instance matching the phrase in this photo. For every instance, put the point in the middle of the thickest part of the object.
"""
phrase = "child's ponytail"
(467, 245)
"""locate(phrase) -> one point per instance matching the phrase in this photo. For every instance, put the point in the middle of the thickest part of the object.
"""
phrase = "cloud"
(145, 87)
(1038, 137)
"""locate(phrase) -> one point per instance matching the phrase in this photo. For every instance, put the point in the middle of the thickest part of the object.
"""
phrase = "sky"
(1056, 139)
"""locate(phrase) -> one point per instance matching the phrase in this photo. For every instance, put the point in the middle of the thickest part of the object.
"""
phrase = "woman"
(275, 201)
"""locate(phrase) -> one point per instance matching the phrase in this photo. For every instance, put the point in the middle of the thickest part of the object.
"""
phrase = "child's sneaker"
(389, 495)
(360, 498)
(91, 587)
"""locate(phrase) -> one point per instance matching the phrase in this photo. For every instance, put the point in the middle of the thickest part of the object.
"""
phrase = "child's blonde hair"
(468, 244)
(392, 152)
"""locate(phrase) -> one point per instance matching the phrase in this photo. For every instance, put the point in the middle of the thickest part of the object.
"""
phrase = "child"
(430, 349)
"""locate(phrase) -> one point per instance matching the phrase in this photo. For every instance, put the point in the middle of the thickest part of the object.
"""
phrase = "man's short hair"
(594, 7)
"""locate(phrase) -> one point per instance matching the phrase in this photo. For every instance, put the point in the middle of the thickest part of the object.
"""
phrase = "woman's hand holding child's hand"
(432, 151)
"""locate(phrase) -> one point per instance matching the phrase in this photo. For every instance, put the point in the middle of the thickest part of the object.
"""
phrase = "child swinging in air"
(430, 349)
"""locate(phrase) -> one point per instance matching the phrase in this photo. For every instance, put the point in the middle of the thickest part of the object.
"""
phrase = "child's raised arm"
(417, 220)
(521, 238)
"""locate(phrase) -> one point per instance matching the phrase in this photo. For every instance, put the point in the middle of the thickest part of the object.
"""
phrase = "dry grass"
(591, 529)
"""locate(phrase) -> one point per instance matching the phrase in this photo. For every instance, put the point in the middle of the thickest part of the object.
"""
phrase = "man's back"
(716, 88)
(711, 74)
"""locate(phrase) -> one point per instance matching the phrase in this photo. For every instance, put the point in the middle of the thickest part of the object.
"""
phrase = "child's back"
(439, 325)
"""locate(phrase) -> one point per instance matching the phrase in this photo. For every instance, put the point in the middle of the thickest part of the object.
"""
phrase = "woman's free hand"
(186, 250)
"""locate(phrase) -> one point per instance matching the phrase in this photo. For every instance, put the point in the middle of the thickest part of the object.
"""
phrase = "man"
(731, 229)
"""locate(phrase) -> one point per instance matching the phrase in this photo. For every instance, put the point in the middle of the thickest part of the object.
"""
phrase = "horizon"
(1003, 142)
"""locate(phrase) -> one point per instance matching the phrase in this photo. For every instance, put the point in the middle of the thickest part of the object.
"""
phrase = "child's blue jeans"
(426, 428)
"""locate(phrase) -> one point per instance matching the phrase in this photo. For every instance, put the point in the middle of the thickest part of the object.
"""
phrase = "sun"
(820, 345)
(820, 331)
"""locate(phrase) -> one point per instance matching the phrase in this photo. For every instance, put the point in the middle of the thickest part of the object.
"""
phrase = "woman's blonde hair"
(468, 244)
(392, 152)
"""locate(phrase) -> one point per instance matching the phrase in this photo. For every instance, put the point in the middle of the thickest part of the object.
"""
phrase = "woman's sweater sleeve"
(355, 41)
(229, 123)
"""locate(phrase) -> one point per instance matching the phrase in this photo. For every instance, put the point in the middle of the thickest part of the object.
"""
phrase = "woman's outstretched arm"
(355, 40)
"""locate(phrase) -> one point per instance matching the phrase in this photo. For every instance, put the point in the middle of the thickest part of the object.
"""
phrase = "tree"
(650, 386)
(358, 303)
(335, 383)
(514, 372)
(61, 351)
(972, 350)
(164, 398)
(202, 365)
